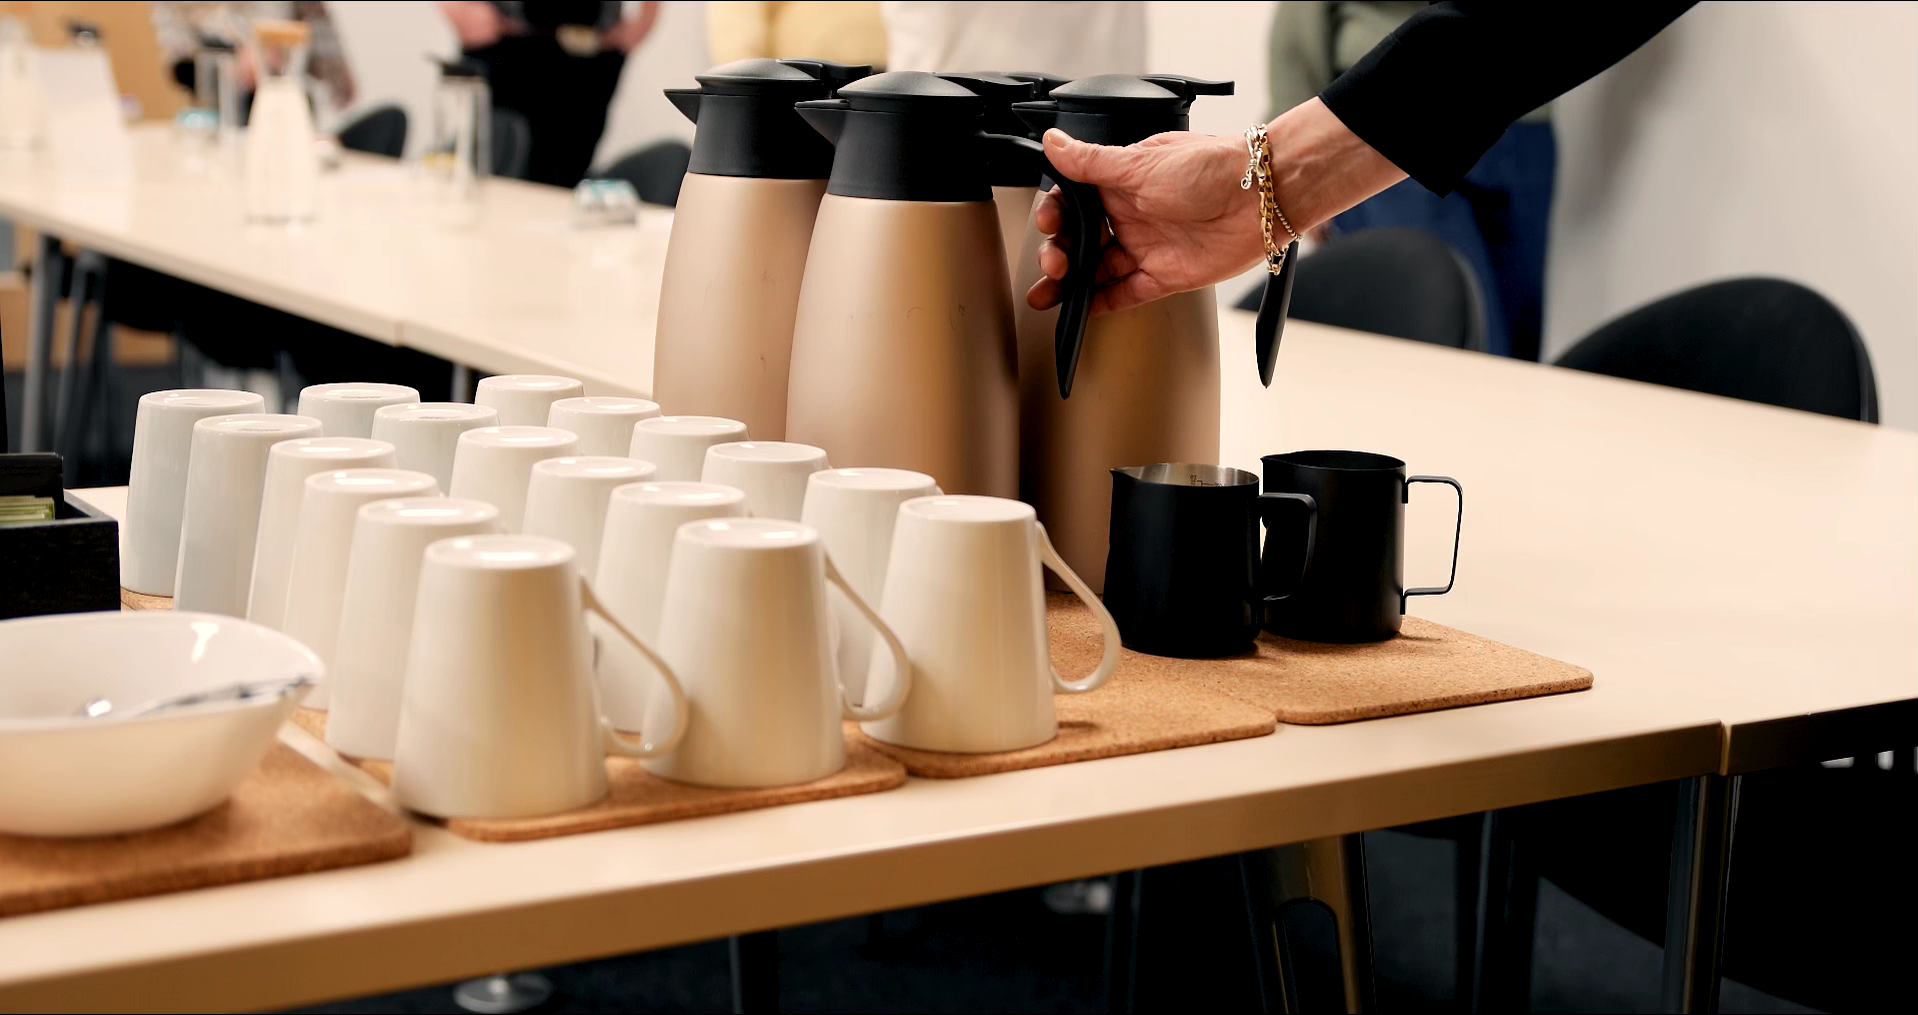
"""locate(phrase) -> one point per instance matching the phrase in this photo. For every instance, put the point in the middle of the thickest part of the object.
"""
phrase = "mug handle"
(615, 741)
(1108, 628)
(901, 664)
(1270, 506)
(1457, 528)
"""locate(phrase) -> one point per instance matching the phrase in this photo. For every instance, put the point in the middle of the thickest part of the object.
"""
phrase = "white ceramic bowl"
(63, 775)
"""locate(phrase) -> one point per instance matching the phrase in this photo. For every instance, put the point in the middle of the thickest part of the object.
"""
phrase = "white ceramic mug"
(634, 550)
(499, 717)
(156, 488)
(744, 627)
(287, 467)
(961, 567)
(854, 511)
(773, 474)
(376, 614)
(347, 409)
(677, 444)
(220, 522)
(525, 399)
(316, 582)
(604, 423)
(495, 464)
(566, 500)
(424, 436)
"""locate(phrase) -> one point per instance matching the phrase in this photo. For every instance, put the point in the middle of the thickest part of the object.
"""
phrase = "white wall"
(1750, 138)
(1214, 40)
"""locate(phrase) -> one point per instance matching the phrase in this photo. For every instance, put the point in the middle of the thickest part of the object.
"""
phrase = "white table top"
(1709, 560)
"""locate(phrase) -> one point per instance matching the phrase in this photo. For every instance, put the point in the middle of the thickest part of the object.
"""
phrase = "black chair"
(655, 171)
(1795, 927)
(379, 131)
(1399, 282)
(512, 144)
(1759, 339)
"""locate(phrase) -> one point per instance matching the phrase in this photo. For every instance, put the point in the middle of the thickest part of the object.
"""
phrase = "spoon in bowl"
(101, 708)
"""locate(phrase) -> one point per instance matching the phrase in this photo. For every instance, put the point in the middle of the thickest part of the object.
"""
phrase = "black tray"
(68, 565)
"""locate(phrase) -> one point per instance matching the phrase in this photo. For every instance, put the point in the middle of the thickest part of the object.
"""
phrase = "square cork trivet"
(288, 817)
(637, 797)
(140, 602)
(1427, 667)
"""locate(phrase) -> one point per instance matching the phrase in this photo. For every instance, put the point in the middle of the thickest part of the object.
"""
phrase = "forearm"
(1321, 168)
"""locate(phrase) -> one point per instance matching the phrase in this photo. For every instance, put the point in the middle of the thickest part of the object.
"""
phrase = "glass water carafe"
(282, 164)
(216, 84)
(20, 104)
(460, 156)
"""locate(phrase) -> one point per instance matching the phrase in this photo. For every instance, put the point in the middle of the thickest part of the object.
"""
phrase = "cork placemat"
(289, 817)
(140, 602)
(638, 797)
(1427, 667)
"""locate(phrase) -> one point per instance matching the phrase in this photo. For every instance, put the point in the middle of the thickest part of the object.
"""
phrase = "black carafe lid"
(1120, 109)
(1000, 91)
(1042, 84)
(746, 122)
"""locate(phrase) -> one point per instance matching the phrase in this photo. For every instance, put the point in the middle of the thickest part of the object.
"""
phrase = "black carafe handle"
(1275, 510)
(1273, 306)
(1085, 219)
(1457, 528)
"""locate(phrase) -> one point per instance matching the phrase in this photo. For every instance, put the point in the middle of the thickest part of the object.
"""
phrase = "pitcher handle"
(1271, 507)
(901, 664)
(1458, 528)
(616, 741)
(1085, 220)
(1108, 628)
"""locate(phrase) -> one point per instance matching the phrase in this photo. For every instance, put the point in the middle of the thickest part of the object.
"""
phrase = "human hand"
(630, 32)
(477, 25)
(1178, 219)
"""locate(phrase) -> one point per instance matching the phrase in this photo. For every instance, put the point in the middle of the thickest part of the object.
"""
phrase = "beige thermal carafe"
(903, 350)
(1146, 385)
(741, 229)
(1015, 182)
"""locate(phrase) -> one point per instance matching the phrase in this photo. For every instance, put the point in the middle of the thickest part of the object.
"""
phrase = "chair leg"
(87, 268)
(1122, 941)
(755, 960)
(1506, 918)
(1311, 925)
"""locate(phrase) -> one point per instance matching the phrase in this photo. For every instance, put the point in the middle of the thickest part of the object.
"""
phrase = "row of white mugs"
(452, 626)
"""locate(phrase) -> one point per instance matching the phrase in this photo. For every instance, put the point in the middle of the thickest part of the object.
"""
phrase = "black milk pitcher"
(1182, 572)
(1352, 588)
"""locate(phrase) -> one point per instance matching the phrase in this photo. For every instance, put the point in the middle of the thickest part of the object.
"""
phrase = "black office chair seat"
(1399, 282)
(655, 171)
(379, 131)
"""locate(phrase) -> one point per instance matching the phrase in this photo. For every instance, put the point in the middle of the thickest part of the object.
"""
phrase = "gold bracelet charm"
(1259, 167)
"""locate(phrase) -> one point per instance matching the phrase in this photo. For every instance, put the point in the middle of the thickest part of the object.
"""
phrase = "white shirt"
(1071, 40)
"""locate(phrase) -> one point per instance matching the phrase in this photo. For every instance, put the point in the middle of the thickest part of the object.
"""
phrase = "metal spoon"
(100, 708)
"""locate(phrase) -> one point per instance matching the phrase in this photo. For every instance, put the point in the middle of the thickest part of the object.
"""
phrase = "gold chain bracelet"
(1259, 167)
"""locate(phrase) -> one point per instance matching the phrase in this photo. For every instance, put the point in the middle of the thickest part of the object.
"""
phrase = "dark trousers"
(1498, 220)
(563, 97)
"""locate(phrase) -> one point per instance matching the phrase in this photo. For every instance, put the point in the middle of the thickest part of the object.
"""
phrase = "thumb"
(1086, 163)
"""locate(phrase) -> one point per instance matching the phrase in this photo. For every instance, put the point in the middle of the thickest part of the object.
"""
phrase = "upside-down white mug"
(525, 399)
(424, 436)
(604, 423)
(156, 487)
(499, 717)
(220, 522)
(634, 551)
(495, 464)
(773, 474)
(347, 409)
(677, 444)
(854, 511)
(376, 614)
(744, 627)
(961, 566)
(566, 500)
(287, 467)
(322, 546)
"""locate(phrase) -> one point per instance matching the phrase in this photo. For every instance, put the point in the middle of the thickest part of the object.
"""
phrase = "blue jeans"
(1497, 219)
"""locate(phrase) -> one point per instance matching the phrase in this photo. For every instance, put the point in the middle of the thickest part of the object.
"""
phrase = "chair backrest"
(655, 171)
(1760, 339)
(512, 144)
(1399, 282)
(379, 131)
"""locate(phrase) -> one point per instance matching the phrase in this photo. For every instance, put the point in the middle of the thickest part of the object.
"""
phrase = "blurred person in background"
(851, 33)
(1497, 217)
(180, 27)
(558, 65)
(1070, 40)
